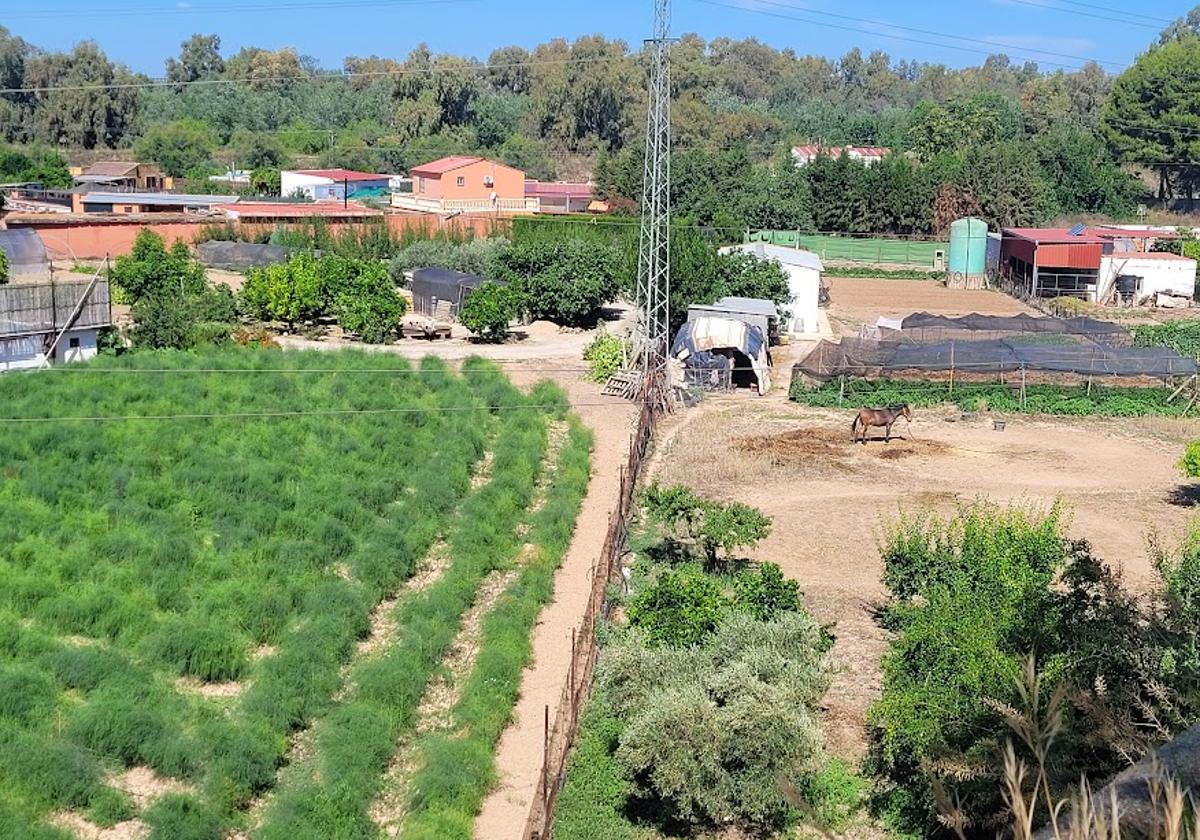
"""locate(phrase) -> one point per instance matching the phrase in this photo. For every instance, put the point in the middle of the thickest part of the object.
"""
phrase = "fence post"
(952, 368)
(1022, 387)
(842, 391)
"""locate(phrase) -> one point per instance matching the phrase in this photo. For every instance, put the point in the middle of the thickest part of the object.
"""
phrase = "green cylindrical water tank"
(968, 247)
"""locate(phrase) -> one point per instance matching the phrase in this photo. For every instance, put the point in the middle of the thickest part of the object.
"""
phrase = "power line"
(1116, 11)
(287, 5)
(875, 33)
(271, 415)
(985, 41)
(1091, 15)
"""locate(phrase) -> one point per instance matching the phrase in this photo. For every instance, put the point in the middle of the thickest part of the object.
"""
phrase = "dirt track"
(828, 498)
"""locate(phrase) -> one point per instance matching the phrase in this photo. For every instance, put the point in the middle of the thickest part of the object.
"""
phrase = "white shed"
(804, 270)
(1144, 276)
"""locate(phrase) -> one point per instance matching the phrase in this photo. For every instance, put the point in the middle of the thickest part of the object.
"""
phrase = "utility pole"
(651, 337)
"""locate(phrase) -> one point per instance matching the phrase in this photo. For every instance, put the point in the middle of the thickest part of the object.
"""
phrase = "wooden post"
(1022, 387)
(952, 368)
(572, 659)
(842, 391)
(546, 757)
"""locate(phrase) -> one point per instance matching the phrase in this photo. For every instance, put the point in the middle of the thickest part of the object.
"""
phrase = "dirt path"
(519, 756)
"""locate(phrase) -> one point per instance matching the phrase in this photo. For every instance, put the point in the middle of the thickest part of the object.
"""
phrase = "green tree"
(489, 310)
(153, 270)
(1154, 111)
(368, 305)
(180, 147)
(258, 150)
(291, 292)
(3, 263)
(567, 281)
(1083, 175)
(84, 100)
(199, 59)
(715, 528)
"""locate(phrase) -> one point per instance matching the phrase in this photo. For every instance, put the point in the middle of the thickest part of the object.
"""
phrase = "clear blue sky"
(143, 33)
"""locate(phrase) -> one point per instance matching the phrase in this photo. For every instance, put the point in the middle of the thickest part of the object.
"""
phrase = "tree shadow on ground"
(1185, 495)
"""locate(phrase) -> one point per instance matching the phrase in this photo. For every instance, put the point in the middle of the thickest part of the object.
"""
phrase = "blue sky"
(143, 33)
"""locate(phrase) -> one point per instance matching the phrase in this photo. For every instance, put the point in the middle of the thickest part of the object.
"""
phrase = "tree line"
(1006, 140)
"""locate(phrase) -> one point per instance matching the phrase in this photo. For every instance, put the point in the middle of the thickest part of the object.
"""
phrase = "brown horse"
(878, 417)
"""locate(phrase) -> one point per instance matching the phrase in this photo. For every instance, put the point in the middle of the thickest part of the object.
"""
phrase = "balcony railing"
(409, 201)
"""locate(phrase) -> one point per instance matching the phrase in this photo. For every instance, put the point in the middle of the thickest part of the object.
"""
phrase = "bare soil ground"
(828, 499)
(856, 301)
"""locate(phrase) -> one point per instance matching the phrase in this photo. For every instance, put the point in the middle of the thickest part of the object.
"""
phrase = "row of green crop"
(457, 767)
(176, 547)
(356, 740)
(1181, 336)
(1078, 401)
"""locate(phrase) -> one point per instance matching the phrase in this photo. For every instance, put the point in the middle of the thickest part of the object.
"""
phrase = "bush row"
(1075, 401)
(357, 738)
(457, 769)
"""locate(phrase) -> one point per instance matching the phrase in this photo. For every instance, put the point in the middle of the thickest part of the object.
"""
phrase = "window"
(74, 343)
(420, 185)
(462, 182)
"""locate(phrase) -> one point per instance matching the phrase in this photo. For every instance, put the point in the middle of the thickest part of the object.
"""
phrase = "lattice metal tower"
(652, 336)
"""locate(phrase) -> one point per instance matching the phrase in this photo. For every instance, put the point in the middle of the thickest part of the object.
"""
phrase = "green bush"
(151, 269)
(475, 256)
(3, 267)
(202, 649)
(369, 306)
(873, 273)
(971, 598)
(567, 281)
(605, 355)
(708, 731)
(1190, 463)
(1075, 401)
(164, 321)
(180, 817)
(489, 310)
(292, 292)
(1181, 336)
(714, 527)
(594, 797)
(681, 608)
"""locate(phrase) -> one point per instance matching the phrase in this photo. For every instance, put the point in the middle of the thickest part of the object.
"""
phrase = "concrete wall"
(1160, 275)
(85, 240)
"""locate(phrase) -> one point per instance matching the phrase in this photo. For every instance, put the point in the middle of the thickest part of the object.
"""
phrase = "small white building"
(1145, 276)
(804, 270)
(45, 323)
(330, 184)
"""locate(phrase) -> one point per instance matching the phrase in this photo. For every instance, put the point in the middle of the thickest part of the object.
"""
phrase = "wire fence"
(560, 731)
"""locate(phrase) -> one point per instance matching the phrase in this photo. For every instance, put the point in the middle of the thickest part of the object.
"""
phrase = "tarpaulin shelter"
(868, 358)
(240, 255)
(440, 287)
(714, 351)
(926, 326)
(27, 257)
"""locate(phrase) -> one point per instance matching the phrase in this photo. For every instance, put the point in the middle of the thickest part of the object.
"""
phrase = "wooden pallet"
(623, 383)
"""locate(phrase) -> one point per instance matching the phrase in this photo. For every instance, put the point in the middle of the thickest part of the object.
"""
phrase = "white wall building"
(34, 315)
(1146, 275)
(331, 184)
(804, 270)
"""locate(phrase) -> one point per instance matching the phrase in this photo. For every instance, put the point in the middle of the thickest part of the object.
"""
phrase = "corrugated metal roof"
(787, 256)
(1059, 235)
(341, 174)
(540, 189)
(298, 210)
(443, 165)
(160, 199)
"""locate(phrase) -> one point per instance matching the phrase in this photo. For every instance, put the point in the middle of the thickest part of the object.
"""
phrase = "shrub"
(3, 267)
(1181, 336)
(713, 526)
(488, 311)
(765, 593)
(475, 256)
(1190, 463)
(180, 817)
(201, 649)
(681, 608)
(567, 281)
(150, 269)
(368, 305)
(595, 793)
(291, 292)
(605, 355)
(167, 322)
(710, 730)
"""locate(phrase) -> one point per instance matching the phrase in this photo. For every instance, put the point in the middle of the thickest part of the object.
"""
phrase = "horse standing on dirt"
(878, 418)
